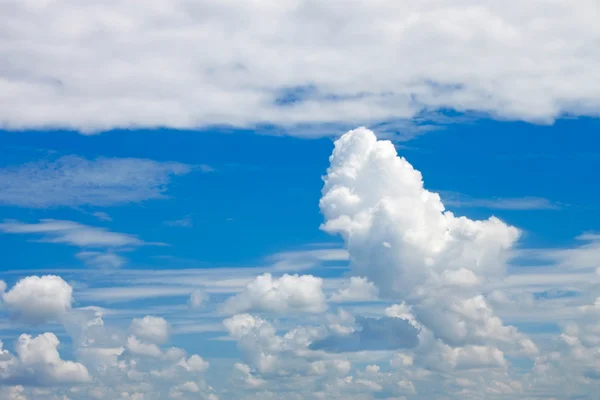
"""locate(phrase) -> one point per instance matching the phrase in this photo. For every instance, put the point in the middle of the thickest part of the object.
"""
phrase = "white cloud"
(38, 363)
(357, 289)
(198, 299)
(75, 181)
(137, 347)
(288, 62)
(37, 299)
(98, 259)
(72, 233)
(290, 293)
(517, 203)
(400, 236)
(150, 328)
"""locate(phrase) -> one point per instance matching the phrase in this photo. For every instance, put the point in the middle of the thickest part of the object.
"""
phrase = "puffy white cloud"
(290, 293)
(38, 363)
(75, 181)
(398, 233)
(137, 347)
(357, 289)
(37, 299)
(194, 363)
(400, 236)
(287, 62)
(150, 328)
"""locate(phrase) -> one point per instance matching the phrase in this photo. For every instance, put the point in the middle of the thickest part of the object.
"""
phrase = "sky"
(226, 200)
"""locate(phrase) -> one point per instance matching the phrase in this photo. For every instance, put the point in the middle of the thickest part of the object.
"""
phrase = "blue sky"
(288, 200)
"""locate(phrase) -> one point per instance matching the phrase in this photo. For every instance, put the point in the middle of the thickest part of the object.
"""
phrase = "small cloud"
(102, 216)
(99, 259)
(185, 222)
(458, 200)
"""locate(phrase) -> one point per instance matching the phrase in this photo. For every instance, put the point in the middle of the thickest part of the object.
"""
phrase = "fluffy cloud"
(287, 62)
(400, 236)
(398, 233)
(75, 181)
(150, 328)
(290, 293)
(38, 363)
(357, 289)
(39, 299)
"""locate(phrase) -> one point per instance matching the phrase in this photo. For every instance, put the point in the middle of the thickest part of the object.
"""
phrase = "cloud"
(137, 347)
(373, 334)
(102, 216)
(72, 233)
(459, 200)
(290, 293)
(400, 236)
(38, 363)
(511, 62)
(150, 328)
(37, 299)
(98, 259)
(75, 181)
(198, 299)
(185, 222)
(357, 289)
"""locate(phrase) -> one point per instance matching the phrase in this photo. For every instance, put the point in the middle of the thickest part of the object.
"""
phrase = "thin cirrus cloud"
(513, 62)
(73, 233)
(75, 181)
(458, 200)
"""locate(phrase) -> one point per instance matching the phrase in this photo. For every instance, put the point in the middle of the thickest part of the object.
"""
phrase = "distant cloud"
(454, 199)
(75, 181)
(72, 233)
(102, 216)
(99, 259)
(185, 222)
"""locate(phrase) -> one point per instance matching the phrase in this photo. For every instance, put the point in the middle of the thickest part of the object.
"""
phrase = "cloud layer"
(290, 62)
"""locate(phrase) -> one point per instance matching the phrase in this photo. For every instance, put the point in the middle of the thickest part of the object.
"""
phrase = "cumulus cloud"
(137, 347)
(75, 181)
(357, 289)
(36, 299)
(513, 62)
(38, 363)
(400, 236)
(150, 328)
(290, 293)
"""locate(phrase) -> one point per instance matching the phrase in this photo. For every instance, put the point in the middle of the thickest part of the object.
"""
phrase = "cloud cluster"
(293, 63)
(290, 293)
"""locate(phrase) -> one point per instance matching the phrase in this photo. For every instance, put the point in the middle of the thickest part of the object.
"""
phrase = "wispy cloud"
(73, 233)
(75, 181)
(185, 222)
(454, 199)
